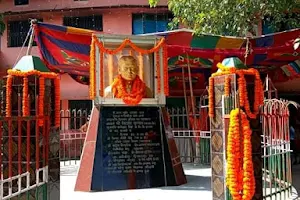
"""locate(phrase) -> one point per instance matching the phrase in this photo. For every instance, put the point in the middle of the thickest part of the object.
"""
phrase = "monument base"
(129, 148)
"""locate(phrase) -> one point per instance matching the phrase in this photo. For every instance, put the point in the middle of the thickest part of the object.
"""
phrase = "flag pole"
(32, 22)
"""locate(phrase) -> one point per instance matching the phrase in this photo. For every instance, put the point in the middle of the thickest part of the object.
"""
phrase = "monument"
(129, 142)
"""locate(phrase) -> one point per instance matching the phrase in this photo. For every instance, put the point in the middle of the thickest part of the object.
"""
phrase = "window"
(150, 23)
(18, 31)
(21, 2)
(87, 22)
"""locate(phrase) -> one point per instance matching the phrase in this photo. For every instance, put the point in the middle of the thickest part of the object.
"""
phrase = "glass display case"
(128, 70)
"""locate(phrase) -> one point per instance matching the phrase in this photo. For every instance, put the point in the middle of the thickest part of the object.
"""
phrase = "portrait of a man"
(128, 85)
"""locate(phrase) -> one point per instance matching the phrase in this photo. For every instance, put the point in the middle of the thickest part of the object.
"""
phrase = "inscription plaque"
(129, 151)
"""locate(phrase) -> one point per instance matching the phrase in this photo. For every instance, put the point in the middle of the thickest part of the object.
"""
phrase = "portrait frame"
(145, 44)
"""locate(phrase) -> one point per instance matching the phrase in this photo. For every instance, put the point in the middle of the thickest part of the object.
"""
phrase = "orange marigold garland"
(57, 101)
(134, 97)
(158, 72)
(166, 71)
(248, 171)
(242, 85)
(41, 99)
(101, 74)
(240, 175)
(227, 86)
(25, 107)
(242, 89)
(258, 97)
(233, 155)
(30, 73)
(42, 77)
(92, 91)
(8, 95)
(211, 96)
(129, 43)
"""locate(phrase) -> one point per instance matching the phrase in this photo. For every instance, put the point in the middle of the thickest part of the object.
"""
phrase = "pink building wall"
(116, 20)
(116, 15)
(53, 5)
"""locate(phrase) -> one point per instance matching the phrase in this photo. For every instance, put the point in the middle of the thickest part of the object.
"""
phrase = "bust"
(128, 84)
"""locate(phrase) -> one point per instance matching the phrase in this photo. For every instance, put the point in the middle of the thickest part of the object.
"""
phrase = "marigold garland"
(101, 74)
(8, 95)
(41, 100)
(57, 102)
(92, 88)
(25, 103)
(243, 93)
(227, 86)
(102, 49)
(138, 90)
(211, 96)
(32, 72)
(129, 43)
(166, 70)
(158, 72)
(42, 75)
(239, 175)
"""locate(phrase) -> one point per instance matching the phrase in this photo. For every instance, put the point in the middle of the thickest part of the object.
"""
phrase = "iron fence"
(193, 144)
(74, 124)
(192, 135)
(277, 174)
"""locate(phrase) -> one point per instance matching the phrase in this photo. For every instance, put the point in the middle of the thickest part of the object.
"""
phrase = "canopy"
(267, 50)
(66, 50)
(29, 62)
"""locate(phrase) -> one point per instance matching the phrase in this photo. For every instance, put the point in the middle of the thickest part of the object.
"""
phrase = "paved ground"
(296, 177)
(198, 187)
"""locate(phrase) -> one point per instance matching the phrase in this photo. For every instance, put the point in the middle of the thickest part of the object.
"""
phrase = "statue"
(128, 83)
(129, 143)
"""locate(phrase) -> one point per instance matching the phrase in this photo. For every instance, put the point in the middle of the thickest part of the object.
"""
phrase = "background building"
(108, 16)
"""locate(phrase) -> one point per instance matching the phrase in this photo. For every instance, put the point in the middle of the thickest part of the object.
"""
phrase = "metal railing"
(193, 144)
(277, 174)
(193, 141)
(72, 134)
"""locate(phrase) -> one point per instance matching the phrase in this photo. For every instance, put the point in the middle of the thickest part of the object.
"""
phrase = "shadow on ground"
(296, 178)
(193, 183)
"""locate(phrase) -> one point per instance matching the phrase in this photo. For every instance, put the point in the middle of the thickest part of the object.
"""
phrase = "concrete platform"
(198, 186)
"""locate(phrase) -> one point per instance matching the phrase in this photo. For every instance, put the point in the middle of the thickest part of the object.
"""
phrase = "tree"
(233, 17)
(2, 25)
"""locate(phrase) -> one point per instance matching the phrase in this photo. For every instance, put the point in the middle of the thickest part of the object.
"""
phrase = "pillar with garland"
(30, 104)
(235, 97)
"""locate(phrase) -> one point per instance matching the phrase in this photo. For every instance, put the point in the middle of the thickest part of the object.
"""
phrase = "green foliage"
(232, 17)
(2, 25)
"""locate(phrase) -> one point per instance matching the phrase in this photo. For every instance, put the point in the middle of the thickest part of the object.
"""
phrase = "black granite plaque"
(129, 150)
